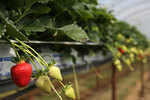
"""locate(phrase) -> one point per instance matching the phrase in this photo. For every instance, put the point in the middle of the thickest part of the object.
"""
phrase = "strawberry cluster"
(21, 74)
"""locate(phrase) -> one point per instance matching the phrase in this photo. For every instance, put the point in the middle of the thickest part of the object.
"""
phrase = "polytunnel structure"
(74, 50)
(136, 12)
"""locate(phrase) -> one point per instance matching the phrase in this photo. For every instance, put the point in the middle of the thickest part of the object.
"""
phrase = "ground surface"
(134, 93)
(128, 87)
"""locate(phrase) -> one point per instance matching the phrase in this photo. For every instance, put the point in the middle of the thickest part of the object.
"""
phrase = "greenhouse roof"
(136, 12)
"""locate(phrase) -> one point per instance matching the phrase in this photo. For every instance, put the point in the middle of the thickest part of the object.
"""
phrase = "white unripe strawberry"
(44, 83)
(54, 72)
(69, 92)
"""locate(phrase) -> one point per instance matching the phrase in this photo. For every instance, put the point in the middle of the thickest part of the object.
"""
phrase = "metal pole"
(55, 42)
(97, 81)
(114, 82)
(142, 80)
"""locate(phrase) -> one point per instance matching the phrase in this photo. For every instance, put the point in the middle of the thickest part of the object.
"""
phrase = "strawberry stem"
(56, 92)
(16, 52)
(40, 61)
(26, 51)
(33, 64)
(76, 81)
(27, 46)
(62, 84)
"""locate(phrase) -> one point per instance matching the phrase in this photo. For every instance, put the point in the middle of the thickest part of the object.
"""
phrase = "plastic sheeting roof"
(136, 12)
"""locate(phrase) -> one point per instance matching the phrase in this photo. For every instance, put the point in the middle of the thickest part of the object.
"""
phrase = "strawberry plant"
(68, 20)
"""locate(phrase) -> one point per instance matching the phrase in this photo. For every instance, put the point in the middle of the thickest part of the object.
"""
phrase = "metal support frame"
(142, 80)
(55, 42)
(114, 82)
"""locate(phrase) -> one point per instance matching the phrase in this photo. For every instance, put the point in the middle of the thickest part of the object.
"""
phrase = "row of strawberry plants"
(73, 20)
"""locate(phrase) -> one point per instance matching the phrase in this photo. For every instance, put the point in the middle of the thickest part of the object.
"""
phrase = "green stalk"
(56, 92)
(35, 58)
(11, 44)
(76, 82)
(33, 51)
(33, 64)
(30, 54)
(16, 52)
(30, 60)
(22, 15)
(131, 68)
(37, 70)
(62, 84)
(97, 74)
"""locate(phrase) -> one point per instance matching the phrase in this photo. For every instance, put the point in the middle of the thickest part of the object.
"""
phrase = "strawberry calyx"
(67, 86)
(20, 62)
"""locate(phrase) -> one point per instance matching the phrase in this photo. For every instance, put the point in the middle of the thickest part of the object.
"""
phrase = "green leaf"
(81, 9)
(34, 29)
(43, 1)
(40, 9)
(39, 25)
(47, 22)
(93, 36)
(29, 3)
(85, 14)
(1, 30)
(13, 32)
(14, 4)
(75, 32)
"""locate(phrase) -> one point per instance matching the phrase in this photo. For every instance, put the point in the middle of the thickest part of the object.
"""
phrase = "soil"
(134, 93)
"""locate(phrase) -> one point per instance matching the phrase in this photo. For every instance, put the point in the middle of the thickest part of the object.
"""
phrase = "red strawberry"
(121, 50)
(21, 73)
(140, 56)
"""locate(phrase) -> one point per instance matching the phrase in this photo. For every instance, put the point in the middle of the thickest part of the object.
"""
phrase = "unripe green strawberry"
(119, 67)
(131, 68)
(69, 92)
(117, 62)
(141, 51)
(44, 83)
(131, 56)
(124, 48)
(120, 37)
(55, 72)
(129, 40)
(134, 50)
(118, 54)
(144, 60)
(127, 61)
